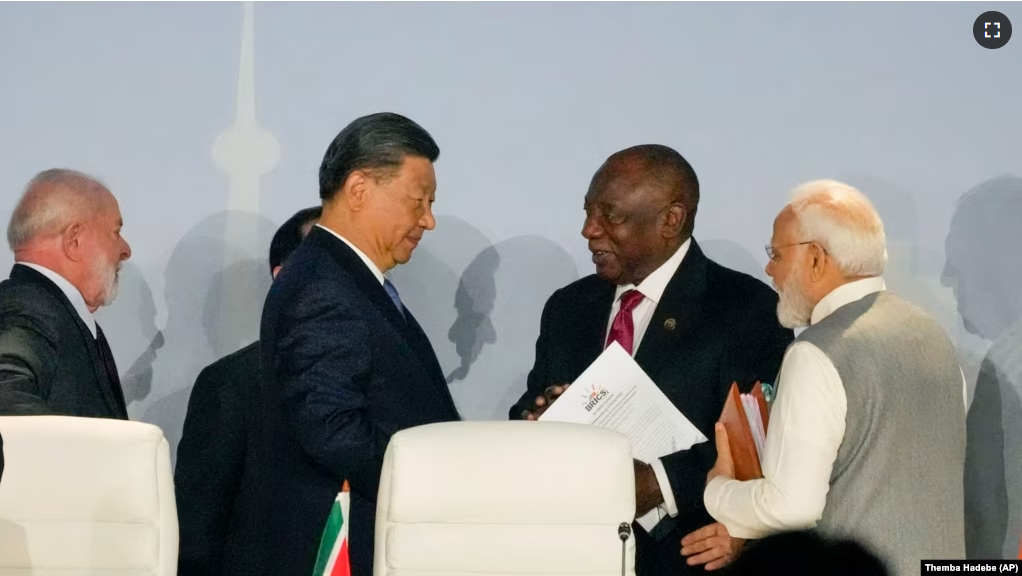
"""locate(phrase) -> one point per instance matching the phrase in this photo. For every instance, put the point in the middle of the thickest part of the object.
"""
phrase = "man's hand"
(724, 466)
(711, 545)
(647, 489)
(543, 402)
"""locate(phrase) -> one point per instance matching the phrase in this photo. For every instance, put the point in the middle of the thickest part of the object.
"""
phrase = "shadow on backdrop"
(984, 270)
(234, 305)
(429, 285)
(135, 340)
(528, 270)
(214, 296)
(480, 306)
(474, 300)
(734, 256)
(914, 267)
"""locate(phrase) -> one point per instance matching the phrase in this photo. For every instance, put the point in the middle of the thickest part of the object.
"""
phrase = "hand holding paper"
(542, 403)
(615, 393)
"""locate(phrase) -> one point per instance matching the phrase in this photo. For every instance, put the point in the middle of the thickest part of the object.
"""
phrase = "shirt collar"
(369, 263)
(73, 294)
(846, 294)
(654, 285)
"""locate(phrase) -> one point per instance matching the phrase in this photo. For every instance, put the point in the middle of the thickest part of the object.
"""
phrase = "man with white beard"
(867, 432)
(54, 359)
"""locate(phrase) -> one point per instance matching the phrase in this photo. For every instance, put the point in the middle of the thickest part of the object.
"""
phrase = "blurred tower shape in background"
(245, 152)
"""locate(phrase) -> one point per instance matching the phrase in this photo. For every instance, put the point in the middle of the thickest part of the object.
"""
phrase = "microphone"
(624, 530)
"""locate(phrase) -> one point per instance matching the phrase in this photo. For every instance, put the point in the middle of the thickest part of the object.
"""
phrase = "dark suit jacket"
(210, 461)
(726, 330)
(49, 360)
(343, 371)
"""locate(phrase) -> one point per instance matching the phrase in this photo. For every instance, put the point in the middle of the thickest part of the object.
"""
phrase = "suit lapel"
(424, 350)
(103, 347)
(99, 369)
(679, 309)
(594, 320)
(367, 283)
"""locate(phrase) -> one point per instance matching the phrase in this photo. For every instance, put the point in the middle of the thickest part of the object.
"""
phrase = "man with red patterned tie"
(692, 325)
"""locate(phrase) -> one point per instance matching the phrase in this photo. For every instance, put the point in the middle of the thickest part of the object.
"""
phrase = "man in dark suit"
(692, 325)
(346, 364)
(211, 455)
(54, 359)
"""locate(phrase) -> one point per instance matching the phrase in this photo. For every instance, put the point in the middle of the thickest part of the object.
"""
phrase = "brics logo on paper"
(593, 396)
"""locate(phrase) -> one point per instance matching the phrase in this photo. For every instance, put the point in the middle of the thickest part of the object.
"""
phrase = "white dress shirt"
(369, 263)
(69, 290)
(807, 424)
(652, 288)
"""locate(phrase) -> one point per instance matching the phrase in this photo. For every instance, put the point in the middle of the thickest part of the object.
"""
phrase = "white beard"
(794, 308)
(109, 273)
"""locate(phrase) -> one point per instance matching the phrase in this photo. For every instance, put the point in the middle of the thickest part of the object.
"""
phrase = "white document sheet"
(615, 393)
(755, 418)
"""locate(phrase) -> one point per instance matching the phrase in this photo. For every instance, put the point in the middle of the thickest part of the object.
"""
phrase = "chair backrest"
(503, 498)
(86, 496)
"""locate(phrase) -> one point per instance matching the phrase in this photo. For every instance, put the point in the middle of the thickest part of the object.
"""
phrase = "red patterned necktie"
(623, 329)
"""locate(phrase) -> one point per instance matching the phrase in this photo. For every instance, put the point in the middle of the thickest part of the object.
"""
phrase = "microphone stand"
(624, 530)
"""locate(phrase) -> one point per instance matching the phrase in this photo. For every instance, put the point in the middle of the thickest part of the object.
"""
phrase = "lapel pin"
(670, 323)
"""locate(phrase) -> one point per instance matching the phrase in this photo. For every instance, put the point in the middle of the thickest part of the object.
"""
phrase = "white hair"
(843, 221)
(53, 199)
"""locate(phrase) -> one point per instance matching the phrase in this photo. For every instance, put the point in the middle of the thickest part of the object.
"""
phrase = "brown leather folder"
(739, 434)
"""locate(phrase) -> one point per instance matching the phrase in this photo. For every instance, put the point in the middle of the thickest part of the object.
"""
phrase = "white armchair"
(503, 498)
(86, 496)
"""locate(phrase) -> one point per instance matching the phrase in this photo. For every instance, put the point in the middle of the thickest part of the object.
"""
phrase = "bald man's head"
(53, 200)
(70, 223)
(658, 169)
(640, 208)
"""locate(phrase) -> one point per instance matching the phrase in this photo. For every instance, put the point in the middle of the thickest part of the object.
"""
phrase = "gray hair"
(844, 222)
(53, 199)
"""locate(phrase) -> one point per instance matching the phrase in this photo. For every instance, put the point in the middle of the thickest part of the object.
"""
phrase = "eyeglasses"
(772, 254)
